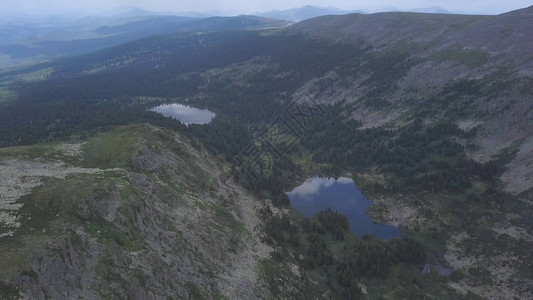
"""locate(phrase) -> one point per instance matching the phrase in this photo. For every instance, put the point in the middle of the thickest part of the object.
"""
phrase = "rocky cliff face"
(474, 70)
(161, 222)
(141, 211)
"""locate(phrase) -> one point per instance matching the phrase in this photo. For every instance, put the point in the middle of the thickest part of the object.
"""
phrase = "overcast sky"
(250, 6)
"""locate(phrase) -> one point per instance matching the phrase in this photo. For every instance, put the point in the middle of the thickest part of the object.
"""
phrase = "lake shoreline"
(341, 194)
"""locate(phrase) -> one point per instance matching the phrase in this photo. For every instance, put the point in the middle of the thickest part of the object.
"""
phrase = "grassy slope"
(111, 217)
(487, 222)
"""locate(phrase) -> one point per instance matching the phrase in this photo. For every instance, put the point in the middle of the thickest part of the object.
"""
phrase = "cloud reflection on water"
(185, 114)
(312, 186)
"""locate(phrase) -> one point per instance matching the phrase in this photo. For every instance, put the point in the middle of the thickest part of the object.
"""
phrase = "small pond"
(341, 195)
(184, 113)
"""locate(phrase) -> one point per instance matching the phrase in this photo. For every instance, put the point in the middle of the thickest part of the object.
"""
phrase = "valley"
(430, 115)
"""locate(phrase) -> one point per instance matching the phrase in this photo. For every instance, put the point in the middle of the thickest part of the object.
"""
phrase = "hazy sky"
(250, 6)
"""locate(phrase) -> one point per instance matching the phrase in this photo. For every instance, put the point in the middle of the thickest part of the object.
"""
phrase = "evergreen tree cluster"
(414, 158)
(29, 123)
(328, 222)
(330, 250)
(368, 257)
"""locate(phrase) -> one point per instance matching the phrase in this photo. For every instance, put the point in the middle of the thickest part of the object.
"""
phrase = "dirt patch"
(515, 232)
(397, 212)
(239, 276)
(519, 173)
(393, 212)
(499, 271)
(243, 276)
(467, 125)
(375, 118)
(19, 177)
(72, 150)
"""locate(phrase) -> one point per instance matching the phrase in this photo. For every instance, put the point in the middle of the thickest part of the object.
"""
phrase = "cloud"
(313, 185)
(250, 6)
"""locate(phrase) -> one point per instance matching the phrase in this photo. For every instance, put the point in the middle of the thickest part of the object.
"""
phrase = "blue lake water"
(318, 194)
(185, 114)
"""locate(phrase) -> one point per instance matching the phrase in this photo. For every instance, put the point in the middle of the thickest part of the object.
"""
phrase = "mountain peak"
(303, 13)
(524, 11)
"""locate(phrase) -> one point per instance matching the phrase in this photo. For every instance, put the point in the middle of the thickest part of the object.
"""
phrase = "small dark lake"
(341, 195)
(184, 113)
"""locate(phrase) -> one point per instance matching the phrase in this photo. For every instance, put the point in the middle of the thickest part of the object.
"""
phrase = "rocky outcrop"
(158, 229)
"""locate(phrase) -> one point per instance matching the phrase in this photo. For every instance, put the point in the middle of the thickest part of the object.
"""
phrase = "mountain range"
(24, 44)
(431, 115)
(303, 13)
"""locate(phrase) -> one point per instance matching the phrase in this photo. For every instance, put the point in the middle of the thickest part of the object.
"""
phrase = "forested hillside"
(26, 43)
(430, 114)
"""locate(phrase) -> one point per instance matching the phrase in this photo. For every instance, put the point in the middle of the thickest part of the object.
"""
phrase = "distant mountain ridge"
(423, 56)
(176, 24)
(309, 12)
(468, 31)
(444, 54)
(305, 12)
(467, 75)
(426, 10)
(433, 10)
(83, 39)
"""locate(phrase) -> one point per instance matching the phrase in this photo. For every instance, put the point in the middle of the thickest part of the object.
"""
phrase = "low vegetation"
(387, 120)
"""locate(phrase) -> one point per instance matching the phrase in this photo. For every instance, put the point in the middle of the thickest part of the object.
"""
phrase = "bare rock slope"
(473, 70)
(147, 217)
